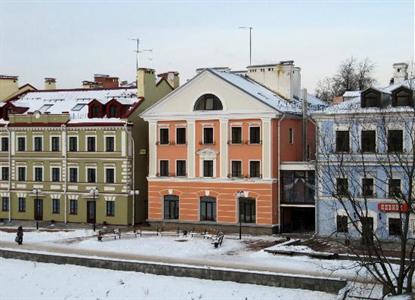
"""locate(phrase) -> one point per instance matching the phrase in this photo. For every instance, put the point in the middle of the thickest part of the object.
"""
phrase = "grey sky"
(72, 40)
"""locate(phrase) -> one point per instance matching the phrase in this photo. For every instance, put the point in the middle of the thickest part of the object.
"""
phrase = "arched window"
(371, 99)
(208, 102)
(171, 207)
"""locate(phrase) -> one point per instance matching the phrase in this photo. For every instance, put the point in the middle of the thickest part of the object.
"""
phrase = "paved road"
(62, 250)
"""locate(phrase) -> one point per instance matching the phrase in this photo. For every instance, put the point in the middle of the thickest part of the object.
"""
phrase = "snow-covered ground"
(30, 280)
(31, 235)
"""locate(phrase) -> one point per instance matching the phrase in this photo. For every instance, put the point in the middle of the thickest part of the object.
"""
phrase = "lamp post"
(36, 191)
(134, 193)
(239, 195)
(94, 192)
(250, 41)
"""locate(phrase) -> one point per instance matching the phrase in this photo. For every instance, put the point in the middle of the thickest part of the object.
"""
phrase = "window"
(4, 173)
(45, 108)
(164, 136)
(207, 209)
(395, 141)
(21, 143)
(55, 143)
(113, 112)
(291, 136)
(247, 210)
(37, 143)
(5, 203)
(367, 230)
(181, 168)
(342, 187)
(402, 97)
(21, 173)
(90, 141)
(395, 226)
(95, 111)
(394, 188)
(254, 135)
(73, 143)
(236, 135)
(164, 168)
(371, 99)
(21, 204)
(342, 224)
(4, 144)
(297, 187)
(342, 141)
(110, 208)
(367, 187)
(368, 139)
(207, 135)
(38, 174)
(73, 207)
(55, 206)
(171, 207)
(91, 175)
(236, 168)
(254, 169)
(79, 106)
(109, 175)
(208, 168)
(73, 174)
(181, 136)
(56, 174)
(109, 144)
(208, 102)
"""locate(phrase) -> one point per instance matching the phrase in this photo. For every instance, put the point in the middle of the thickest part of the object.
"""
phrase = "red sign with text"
(392, 207)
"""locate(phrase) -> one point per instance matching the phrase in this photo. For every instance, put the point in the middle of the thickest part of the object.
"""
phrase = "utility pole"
(250, 41)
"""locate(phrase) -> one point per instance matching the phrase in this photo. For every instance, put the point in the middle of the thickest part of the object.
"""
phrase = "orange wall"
(225, 193)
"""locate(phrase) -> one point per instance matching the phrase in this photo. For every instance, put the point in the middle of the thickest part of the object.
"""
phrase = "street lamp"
(250, 41)
(37, 191)
(134, 193)
(239, 195)
(94, 193)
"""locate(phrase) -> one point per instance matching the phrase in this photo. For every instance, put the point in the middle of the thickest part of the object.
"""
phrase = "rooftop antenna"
(136, 51)
(250, 41)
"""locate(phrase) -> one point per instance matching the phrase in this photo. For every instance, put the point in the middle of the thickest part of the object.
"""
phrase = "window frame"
(247, 201)
(52, 137)
(399, 232)
(21, 204)
(3, 174)
(176, 207)
(234, 142)
(87, 169)
(337, 149)
(56, 209)
(73, 137)
(343, 228)
(236, 161)
(35, 175)
(110, 208)
(363, 189)
(34, 145)
(393, 142)
(250, 168)
(106, 144)
(201, 103)
(375, 141)
(204, 135)
(203, 168)
(250, 134)
(70, 175)
(177, 167)
(91, 137)
(181, 142)
(113, 174)
(5, 149)
(73, 207)
(52, 168)
(168, 168)
(18, 139)
(204, 202)
(162, 141)
(5, 204)
(342, 192)
(18, 173)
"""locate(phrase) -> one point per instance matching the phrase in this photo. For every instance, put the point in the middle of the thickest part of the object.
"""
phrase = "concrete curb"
(322, 284)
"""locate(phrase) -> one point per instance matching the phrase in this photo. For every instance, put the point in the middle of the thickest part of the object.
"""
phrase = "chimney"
(106, 81)
(172, 78)
(146, 82)
(8, 86)
(50, 83)
(400, 73)
(283, 78)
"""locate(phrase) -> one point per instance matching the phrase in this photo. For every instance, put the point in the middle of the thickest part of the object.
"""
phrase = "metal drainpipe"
(316, 194)
(129, 134)
(10, 172)
(65, 187)
(279, 171)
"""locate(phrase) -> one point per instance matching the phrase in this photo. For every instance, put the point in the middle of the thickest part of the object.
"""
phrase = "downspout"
(316, 180)
(10, 172)
(65, 162)
(279, 171)
(129, 134)
(305, 120)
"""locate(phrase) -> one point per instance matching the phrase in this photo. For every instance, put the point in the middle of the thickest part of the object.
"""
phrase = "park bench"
(218, 240)
(109, 232)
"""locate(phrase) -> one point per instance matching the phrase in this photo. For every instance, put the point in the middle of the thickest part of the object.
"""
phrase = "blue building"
(365, 162)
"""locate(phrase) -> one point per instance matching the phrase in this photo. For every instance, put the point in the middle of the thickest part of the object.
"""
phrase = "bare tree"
(352, 75)
(359, 174)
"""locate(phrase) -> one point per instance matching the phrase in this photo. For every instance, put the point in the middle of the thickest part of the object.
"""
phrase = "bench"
(108, 232)
(218, 240)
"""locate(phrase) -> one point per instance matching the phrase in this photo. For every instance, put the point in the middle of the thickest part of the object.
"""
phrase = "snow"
(33, 236)
(66, 100)
(31, 280)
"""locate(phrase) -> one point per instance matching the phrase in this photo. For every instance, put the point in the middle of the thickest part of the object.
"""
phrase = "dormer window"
(95, 109)
(208, 102)
(113, 112)
(402, 96)
(370, 98)
(95, 112)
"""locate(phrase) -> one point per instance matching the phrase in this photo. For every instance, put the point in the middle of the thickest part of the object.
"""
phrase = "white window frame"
(168, 167)
(86, 143)
(168, 135)
(60, 143)
(185, 136)
(69, 174)
(249, 134)
(240, 125)
(370, 176)
(86, 174)
(34, 173)
(175, 167)
(17, 173)
(33, 143)
(105, 174)
(105, 143)
(17, 143)
(60, 173)
(249, 168)
(213, 134)
(8, 144)
(77, 142)
(201, 170)
(242, 168)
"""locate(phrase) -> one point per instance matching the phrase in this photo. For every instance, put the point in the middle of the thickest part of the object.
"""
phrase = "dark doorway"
(38, 209)
(297, 219)
(91, 215)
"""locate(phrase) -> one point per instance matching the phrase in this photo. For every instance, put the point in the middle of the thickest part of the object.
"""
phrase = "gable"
(182, 101)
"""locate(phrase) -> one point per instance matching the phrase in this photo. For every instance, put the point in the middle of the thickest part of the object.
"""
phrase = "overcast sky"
(72, 40)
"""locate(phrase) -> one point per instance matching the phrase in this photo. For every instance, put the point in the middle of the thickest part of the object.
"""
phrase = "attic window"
(78, 107)
(402, 97)
(113, 112)
(45, 108)
(208, 102)
(371, 99)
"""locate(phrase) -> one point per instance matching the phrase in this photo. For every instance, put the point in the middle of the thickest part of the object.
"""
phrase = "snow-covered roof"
(74, 101)
(267, 96)
(353, 105)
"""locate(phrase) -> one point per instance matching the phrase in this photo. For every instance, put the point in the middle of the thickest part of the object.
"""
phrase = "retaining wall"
(322, 284)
